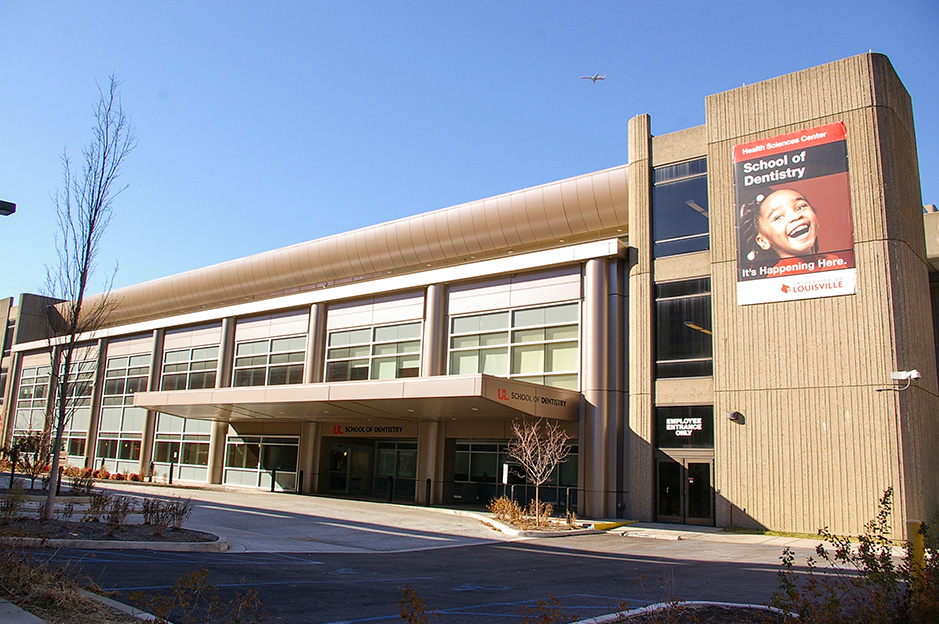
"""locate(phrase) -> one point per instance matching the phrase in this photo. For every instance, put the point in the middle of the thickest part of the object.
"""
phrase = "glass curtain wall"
(120, 424)
(182, 445)
(31, 401)
(386, 352)
(478, 470)
(259, 461)
(190, 369)
(271, 362)
(396, 467)
(539, 345)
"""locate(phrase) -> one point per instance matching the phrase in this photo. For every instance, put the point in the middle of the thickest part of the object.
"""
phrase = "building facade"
(718, 324)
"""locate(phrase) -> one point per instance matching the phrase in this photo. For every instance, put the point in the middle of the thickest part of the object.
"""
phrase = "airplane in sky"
(594, 78)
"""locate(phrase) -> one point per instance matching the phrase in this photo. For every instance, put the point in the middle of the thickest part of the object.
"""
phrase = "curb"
(661, 606)
(12, 614)
(615, 524)
(219, 545)
(509, 530)
(120, 606)
(591, 528)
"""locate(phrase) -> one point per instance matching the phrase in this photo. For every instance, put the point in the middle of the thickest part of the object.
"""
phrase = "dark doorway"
(350, 469)
(685, 490)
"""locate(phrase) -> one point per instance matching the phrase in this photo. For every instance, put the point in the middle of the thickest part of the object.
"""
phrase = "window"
(31, 400)
(683, 329)
(680, 208)
(396, 459)
(190, 368)
(272, 362)
(243, 453)
(386, 352)
(124, 377)
(263, 453)
(182, 441)
(78, 406)
(126, 446)
(120, 424)
(538, 345)
(481, 462)
(81, 380)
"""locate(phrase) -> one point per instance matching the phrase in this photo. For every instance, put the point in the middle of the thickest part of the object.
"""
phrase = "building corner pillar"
(596, 361)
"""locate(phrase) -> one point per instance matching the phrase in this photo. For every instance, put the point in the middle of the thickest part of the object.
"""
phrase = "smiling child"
(782, 224)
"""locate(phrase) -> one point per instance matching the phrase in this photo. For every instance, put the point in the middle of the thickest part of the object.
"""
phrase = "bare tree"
(32, 456)
(83, 212)
(538, 451)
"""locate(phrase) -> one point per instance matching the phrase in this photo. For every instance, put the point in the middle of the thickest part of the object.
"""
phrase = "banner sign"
(795, 235)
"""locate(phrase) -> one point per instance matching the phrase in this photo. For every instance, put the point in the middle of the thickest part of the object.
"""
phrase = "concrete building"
(727, 325)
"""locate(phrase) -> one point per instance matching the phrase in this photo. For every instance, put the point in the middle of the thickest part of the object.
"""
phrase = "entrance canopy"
(425, 398)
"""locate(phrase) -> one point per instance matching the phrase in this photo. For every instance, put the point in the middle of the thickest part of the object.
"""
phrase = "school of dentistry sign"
(795, 235)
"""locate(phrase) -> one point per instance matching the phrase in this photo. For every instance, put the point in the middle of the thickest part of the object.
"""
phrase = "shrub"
(31, 583)
(102, 473)
(545, 611)
(117, 476)
(534, 516)
(117, 511)
(861, 583)
(97, 506)
(413, 608)
(150, 508)
(179, 512)
(134, 477)
(505, 509)
(166, 514)
(11, 503)
(542, 512)
(192, 600)
(67, 511)
(82, 483)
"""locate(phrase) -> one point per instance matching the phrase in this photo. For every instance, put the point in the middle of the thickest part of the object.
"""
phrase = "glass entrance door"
(685, 490)
(350, 469)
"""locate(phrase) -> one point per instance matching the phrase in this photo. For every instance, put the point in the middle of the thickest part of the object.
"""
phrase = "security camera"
(734, 416)
(905, 375)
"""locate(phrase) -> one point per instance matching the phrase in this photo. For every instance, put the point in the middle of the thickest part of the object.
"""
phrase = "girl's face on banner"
(787, 224)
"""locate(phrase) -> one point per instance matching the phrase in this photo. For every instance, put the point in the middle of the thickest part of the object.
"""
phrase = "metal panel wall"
(272, 325)
(397, 308)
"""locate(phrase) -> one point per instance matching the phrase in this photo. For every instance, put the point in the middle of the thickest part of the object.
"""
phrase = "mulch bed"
(65, 529)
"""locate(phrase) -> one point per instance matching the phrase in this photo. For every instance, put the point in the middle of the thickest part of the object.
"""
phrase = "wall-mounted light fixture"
(736, 417)
(901, 376)
(696, 327)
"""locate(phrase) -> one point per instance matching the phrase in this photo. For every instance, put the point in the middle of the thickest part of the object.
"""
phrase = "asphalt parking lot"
(315, 559)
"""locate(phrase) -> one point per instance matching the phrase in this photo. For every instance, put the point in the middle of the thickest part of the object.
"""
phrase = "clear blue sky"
(264, 124)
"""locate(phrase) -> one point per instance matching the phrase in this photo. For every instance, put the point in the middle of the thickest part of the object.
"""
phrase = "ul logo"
(503, 394)
(337, 429)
